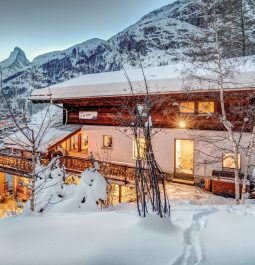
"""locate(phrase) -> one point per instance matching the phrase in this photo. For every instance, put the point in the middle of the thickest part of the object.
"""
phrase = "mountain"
(85, 47)
(158, 37)
(17, 61)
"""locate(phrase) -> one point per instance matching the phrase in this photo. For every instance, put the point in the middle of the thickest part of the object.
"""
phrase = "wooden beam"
(120, 193)
(2, 182)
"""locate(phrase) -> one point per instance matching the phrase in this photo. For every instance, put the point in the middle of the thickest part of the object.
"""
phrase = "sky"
(40, 26)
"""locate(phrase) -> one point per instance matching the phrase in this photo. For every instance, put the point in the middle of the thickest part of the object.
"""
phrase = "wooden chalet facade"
(99, 104)
(165, 114)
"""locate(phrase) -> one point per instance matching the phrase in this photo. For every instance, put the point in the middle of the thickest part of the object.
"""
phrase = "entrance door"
(184, 158)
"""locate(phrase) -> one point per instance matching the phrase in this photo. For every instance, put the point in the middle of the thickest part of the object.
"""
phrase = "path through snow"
(192, 253)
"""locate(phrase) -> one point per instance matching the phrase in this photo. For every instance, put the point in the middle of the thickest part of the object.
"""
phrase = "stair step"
(183, 181)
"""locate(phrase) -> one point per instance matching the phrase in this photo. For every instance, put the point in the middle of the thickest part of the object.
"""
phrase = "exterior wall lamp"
(182, 124)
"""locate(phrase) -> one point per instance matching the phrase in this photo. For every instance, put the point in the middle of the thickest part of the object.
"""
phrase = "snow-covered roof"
(110, 83)
(47, 128)
(160, 79)
(52, 136)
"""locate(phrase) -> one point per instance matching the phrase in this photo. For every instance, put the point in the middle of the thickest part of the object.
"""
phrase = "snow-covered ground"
(197, 235)
(183, 194)
(204, 229)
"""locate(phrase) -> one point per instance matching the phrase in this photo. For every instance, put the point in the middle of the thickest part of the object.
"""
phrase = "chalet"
(190, 142)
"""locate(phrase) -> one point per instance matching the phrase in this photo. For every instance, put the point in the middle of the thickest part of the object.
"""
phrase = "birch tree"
(28, 137)
(210, 65)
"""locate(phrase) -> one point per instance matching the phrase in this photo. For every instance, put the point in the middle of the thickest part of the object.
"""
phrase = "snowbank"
(206, 235)
(229, 237)
(98, 238)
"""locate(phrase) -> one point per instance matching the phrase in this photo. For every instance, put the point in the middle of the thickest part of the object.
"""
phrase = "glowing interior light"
(182, 124)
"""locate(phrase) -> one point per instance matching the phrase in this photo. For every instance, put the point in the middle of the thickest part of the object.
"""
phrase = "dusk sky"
(38, 26)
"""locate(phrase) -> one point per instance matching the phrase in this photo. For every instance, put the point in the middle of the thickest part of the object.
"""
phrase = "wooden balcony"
(111, 171)
(15, 165)
(115, 172)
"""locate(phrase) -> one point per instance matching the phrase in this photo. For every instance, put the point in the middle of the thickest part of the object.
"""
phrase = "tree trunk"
(245, 178)
(33, 176)
(247, 162)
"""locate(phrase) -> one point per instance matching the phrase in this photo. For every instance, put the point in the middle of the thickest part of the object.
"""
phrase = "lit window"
(84, 143)
(74, 142)
(229, 162)
(107, 141)
(187, 107)
(206, 107)
(140, 148)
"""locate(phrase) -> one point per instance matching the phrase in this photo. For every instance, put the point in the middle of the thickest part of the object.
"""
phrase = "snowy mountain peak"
(17, 49)
(16, 59)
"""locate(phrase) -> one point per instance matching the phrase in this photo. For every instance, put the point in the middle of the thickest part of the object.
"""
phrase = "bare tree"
(29, 137)
(135, 113)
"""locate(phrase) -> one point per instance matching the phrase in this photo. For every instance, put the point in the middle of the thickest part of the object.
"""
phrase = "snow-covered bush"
(48, 186)
(53, 195)
(85, 196)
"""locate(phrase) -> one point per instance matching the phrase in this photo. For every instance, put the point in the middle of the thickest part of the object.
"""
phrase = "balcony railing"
(22, 165)
(109, 170)
(19, 164)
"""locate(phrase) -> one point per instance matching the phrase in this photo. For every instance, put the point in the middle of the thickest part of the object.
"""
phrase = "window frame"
(188, 113)
(107, 147)
(196, 107)
(74, 141)
(82, 143)
(134, 156)
(231, 168)
(205, 113)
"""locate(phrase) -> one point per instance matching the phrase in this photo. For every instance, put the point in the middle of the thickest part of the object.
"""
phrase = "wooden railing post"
(120, 193)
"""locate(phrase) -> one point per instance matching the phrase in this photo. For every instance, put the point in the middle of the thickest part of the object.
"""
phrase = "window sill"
(106, 148)
(206, 114)
(230, 169)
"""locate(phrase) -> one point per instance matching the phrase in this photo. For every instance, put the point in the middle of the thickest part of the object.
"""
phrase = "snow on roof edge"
(162, 79)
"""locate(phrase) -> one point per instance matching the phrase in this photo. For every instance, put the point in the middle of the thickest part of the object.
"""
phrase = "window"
(206, 107)
(184, 156)
(84, 143)
(228, 161)
(201, 107)
(141, 148)
(74, 142)
(107, 141)
(68, 144)
(187, 107)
